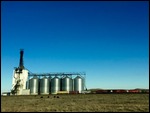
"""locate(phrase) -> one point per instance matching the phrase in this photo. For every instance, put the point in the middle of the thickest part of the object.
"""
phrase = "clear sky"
(107, 40)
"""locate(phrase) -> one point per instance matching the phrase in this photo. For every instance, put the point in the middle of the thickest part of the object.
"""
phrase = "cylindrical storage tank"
(67, 84)
(55, 85)
(34, 85)
(44, 85)
(27, 84)
(78, 84)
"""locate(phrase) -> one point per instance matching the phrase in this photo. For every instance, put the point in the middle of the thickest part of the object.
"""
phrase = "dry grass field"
(77, 103)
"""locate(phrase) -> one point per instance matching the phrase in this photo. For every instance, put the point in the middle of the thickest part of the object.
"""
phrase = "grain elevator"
(25, 82)
(20, 77)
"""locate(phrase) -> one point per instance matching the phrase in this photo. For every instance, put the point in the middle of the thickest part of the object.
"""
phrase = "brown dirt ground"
(76, 103)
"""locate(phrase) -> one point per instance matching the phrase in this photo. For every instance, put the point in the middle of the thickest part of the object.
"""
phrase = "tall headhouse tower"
(20, 77)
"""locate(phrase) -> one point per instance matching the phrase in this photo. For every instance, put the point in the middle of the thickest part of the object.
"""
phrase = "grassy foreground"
(77, 103)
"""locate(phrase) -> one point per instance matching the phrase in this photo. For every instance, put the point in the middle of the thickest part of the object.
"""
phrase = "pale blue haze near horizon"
(107, 40)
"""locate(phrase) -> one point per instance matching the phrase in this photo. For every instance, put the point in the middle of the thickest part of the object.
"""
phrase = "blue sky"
(107, 40)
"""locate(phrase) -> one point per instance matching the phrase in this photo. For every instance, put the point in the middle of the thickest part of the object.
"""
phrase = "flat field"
(76, 103)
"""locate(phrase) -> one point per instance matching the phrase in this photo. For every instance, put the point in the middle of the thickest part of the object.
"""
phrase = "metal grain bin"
(55, 85)
(67, 84)
(34, 85)
(27, 84)
(44, 86)
(78, 84)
